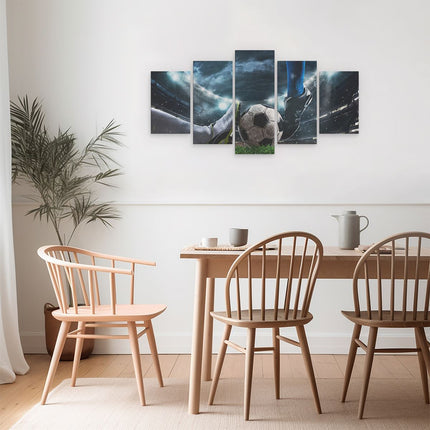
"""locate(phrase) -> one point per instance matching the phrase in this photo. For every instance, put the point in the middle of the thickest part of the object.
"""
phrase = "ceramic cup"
(209, 242)
(238, 236)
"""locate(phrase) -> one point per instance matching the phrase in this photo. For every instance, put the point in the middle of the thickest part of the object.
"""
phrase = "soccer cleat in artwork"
(294, 108)
(221, 130)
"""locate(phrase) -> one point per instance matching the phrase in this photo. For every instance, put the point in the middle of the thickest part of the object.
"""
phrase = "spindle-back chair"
(280, 274)
(92, 278)
(400, 300)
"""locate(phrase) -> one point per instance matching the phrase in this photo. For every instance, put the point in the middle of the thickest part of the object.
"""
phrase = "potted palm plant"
(64, 177)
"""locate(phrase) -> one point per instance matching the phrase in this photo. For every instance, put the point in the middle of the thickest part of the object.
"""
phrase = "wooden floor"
(17, 398)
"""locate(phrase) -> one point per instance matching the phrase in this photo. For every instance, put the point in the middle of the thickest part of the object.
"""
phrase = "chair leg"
(373, 332)
(308, 363)
(78, 351)
(219, 363)
(249, 365)
(425, 346)
(423, 368)
(59, 345)
(154, 352)
(276, 361)
(132, 334)
(351, 359)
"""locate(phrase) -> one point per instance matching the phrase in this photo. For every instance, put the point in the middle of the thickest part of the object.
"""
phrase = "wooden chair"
(79, 275)
(401, 301)
(292, 259)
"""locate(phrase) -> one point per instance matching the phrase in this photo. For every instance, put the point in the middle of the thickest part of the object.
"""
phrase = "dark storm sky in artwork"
(215, 76)
(255, 78)
(212, 90)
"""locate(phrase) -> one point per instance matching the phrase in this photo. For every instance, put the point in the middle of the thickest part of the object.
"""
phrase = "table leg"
(197, 339)
(208, 333)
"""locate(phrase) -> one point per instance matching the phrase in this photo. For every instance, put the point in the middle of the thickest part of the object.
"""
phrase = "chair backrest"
(280, 274)
(392, 278)
(78, 275)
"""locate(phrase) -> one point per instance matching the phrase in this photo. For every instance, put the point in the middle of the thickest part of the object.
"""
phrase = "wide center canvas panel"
(257, 122)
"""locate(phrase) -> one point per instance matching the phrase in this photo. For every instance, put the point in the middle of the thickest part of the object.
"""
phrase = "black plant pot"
(52, 326)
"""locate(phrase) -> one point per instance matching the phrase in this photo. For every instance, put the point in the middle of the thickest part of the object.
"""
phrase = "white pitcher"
(349, 229)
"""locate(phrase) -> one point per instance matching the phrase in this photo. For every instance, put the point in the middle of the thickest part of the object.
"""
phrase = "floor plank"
(167, 363)
(181, 368)
(326, 366)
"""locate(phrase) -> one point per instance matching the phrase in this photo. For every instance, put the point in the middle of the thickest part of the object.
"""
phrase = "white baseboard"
(33, 342)
(180, 343)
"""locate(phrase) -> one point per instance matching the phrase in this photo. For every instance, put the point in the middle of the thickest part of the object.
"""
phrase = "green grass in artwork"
(267, 149)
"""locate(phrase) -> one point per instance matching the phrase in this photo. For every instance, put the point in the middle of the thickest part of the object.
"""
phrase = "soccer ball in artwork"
(259, 125)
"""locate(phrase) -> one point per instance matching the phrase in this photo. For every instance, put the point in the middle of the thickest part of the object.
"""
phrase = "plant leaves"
(63, 176)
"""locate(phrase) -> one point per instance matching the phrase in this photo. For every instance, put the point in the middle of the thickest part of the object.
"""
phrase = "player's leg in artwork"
(298, 97)
(221, 130)
(217, 132)
(161, 120)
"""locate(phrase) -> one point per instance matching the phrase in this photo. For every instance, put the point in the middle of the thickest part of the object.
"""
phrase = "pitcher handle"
(367, 225)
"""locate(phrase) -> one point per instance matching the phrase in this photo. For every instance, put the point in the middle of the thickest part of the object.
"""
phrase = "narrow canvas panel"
(170, 102)
(256, 119)
(338, 102)
(297, 101)
(213, 106)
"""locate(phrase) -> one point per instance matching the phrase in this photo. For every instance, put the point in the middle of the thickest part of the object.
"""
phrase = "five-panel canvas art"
(256, 117)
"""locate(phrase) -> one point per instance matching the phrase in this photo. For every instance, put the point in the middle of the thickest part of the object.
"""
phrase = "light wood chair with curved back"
(293, 260)
(93, 278)
(399, 300)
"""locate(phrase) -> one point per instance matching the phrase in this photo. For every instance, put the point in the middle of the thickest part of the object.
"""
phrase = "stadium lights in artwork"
(170, 102)
(255, 119)
(338, 102)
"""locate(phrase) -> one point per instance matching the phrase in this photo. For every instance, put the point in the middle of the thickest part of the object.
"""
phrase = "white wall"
(90, 61)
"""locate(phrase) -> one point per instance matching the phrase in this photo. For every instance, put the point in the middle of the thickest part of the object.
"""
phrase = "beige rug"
(113, 404)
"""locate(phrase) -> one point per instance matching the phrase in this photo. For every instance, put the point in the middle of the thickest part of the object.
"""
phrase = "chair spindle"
(289, 284)
(133, 267)
(239, 313)
(393, 279)
(405, 280)
(113, 292)
(311, 284)
(81, 281)
(379, 278)
(250, 289)
(278, 276)
(91, 288)
(263, 284)
(416, 284)
(299, 279)
(96, 281)
(427, 298)
(368, 300)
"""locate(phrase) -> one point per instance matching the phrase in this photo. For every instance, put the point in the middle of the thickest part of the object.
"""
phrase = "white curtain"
(12, 360)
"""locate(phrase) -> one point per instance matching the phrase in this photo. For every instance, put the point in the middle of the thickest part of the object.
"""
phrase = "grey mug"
(238, 236)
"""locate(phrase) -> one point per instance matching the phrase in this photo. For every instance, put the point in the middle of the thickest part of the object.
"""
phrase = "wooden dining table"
(214, 263)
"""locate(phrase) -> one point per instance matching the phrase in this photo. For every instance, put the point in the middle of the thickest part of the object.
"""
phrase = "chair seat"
(135, 312)
(397, 320)
(258, 322)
